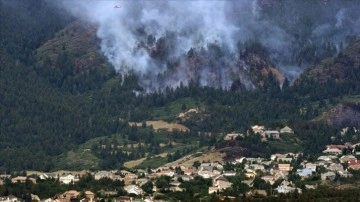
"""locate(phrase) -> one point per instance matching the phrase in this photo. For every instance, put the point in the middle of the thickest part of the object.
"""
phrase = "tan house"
(286, 129)
(71, 194)
(89, 195)
(284, 167)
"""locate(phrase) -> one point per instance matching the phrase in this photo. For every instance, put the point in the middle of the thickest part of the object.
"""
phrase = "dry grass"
(188, 160)
(59, 172)
(158, 125)
(134, 163)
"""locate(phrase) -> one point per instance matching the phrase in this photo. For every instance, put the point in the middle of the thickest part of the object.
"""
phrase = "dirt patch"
(159, 125)
(189, 160)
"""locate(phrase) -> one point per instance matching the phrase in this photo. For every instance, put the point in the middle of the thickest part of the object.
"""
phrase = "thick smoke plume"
(167, 43)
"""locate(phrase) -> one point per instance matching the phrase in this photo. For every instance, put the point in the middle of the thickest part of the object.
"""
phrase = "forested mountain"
(59, 90)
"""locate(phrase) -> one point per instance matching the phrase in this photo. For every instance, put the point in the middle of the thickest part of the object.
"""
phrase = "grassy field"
(158, 125)
(287, 143)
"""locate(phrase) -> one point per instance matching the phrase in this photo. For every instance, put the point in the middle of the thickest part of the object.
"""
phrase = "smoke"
(167, 43)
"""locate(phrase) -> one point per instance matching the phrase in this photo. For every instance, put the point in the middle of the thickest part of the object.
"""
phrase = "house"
(286, 129)
(122, 199)
(232, 136)
(175, 186)
(250, 175)
(336, 146)
(213, 190)
(345, 173)
(284, 160)
(354, 164)
(284, 167)
(133, 189)
(335, 167)
(185, 178)
(21, 179)
(325, 158)
(256, 167)
(287, 187)
(89, 195)
(258, 129)
(272, 134)
(108, 193)
(169, 173)
(71, 194)
(328, 176)
(103, 174)
(269, 178)
(68, 179)
(334, 151)
(34, 198)
(256, 192)
(206, 174)
(10, 198)
(306, 172)
(276, 156)
(311, 166)
(229, 173)
(347, 158)
(44, 176)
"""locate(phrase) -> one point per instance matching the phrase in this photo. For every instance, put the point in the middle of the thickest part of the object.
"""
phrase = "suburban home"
(272, 134)
(328, 176)
(34, 197)
(286, 129)
(354, 164)
(122, 199)
(229, 173)
(258, 129)
(287, 187)
(10, 198)
(336, 146)
(345, 173)
(71, 194)
(284, 160)
(259, 192)
(269, 178)
(213, 190)
(335, 167)
(250, 175)
(22, 179)
(133, 189)
(305, 172)
(104, 174)
(169, 173)
(284, 167)
(311, 166)
(206, 174)
(347, 158)
(175, 186)
(44, 176)
(232, 136)
(256, 167)
(335, 151)
(273, 157)
(89, 196)
(324, 158)
(108, 193)
(68, 178)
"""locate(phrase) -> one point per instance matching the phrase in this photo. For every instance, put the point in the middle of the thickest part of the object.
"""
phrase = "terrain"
(64, 106)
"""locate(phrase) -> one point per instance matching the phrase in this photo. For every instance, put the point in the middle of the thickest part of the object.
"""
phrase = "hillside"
(64, 102)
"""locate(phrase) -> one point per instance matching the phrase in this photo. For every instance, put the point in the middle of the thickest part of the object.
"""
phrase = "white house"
(133, 189)
(68, 179)
(286, 129)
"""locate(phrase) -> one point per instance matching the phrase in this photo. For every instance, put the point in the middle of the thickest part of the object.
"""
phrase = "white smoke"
(123, 25)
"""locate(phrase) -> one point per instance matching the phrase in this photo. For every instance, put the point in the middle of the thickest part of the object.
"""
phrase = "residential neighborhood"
(280, 173)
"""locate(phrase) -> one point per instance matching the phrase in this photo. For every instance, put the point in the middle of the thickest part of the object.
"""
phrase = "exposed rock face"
(345, 115)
